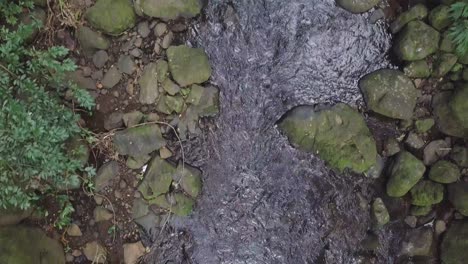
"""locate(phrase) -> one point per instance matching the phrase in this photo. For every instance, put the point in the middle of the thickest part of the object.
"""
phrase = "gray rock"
(170, 87)
(170, 9)
(149, 84)
(133, 251)
(132, 118)
(458, 196)
(391, 147)
(95, 252)
(380, 214)
(416, 41)
(78, 78)
(160, 29)
(418, 242)
(435, 150)
(459, 106)
(111, 78)
(357, 6)
(414, 141)
(137, 141)
(91, 40)
(136, 52)
(444, 172)
(137, 162)
(113, 121)
(126, 64)
(418, 11)
(446, 120)
(167, 40)
(454, 244)
(158, 178)
(190, 179)
(144, 29)
(188, 65)
(105, 174)
(100, 59)
(74, 230)
(102, 214)
(459, 154)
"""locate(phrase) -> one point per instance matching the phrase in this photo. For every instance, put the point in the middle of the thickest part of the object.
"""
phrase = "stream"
(264, 201)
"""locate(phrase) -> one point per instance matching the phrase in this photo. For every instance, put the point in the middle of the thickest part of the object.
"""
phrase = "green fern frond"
(458, 32)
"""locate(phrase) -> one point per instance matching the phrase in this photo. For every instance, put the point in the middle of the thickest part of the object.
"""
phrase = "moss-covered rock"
(188, 65)
(406, 171)
(91, 40)
(453, 249)
(417, 69)
(175, 103)
(170, 9)
(189, 178)
(444, 172)
(13, 216)
(137, 162)
(424, 125)
(111, 16)
(447, 122)
(420, 210)
(105, 174)
(357, 7)
(338, 135)
(459, 105)
(458, 196)
(446, 44)
(418, 11)
(416, 41)
(459, 154)
(170, 87)
(426, 193)
(439, 17)
(139, 140)
(444, 64)
(158, 178)
(148, 82)
(380, 214)
(389, 93)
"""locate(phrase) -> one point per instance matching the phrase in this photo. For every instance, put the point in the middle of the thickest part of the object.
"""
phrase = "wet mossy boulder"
(405, 172)
(389, 93)
(170, 9)
(158, 178)
(417, 69)
(188, 65)
(91, 40)
(453, 249)
(111, 16)
(444, 64)
(139, 140)
(444, 172)
(447, 122)
(439, 17)
(416, 41)
(27, 245)
(418, 11)
(426, 193)
(357, 7)
(459, 105)
(338, 135)
(458, 196)
(380, 214)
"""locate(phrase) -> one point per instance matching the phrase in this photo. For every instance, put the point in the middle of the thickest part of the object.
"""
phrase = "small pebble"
(86, 71)
(117, 194)
(136, 53)
(122, 184)
(167, 40)
(440, 227)
(115, 94)
(411, 221)
(104, 91)
(138, 42)
(160, 29)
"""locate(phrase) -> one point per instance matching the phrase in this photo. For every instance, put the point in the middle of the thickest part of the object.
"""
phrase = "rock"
(13, 216)
(440, 227)
(91, 40)
(149, 84)
(175, 103)
(357, 7)
(162, 69)
(167, 40)
(418, 11)
(391, 147)
(418, 242)
(339, 135)
(406, 171)
(111, 16)
(98, 199)
(113, 121)
(97, 75)
(439, 17)
(195, 95)
(416, 41)
(414, 141)
(136, 52)
(444, 64)
(126, 64)
(100, 58)
(458, 196)
(446, 120)
(424, 125)
(389, 93)
(78, 78)
(133, 251)
(27, 245)
(170, 9)
(420, 210)
(435, 150)
(143, 29)
(139, 208)
(162, 106)
(77, 253)
(105, 174)
(189, 178)
(160, 29)
(102, 214)
(208, 105)
(426, 193)
(132, 118)
(459, 106)
(165, 153)
(446, 44)
(418, 69)
(176, 203)
(380, 214)
(111, 78)
(137, 162)
(137, 141)
(411, 221)
(459, 154)
(69, 257)
(444, 172)
(188, 65)
(158, 178)
(170, 87)
(74, 230)
(454, 244)
(95, 252)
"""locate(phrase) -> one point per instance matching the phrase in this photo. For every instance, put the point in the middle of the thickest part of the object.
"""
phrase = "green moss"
(188, 65)
(427, 193)
(111, 16)
(444, 172)
(406, 171)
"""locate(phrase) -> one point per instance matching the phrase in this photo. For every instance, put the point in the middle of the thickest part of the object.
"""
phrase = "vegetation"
(35, 124)
(459, 29)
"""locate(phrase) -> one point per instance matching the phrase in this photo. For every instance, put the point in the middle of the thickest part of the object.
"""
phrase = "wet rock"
(74, 230)
(132, 118)
(357, 6)
(167, 40)
(160, 29)
(113, 121)
(418, 69)
(389, 93)
(100, 59)
(458, 196)
(459, 154)
(444, 172)
(170, 87)
(95, 252)
(435, 150)
(189, 179)
(170, 9)
(126, 65)
(380, 214)
(111, 78)
(416, 41)
(339, 135)
(418, 242)
(105, 174)
(139, 140)
(459, 106)
(414, 141)
(133, 251)
(454, 244)
(91, 40)
(446, 120)
(175, 103)
(426, 193)
(444, 64)
(439, 17)
(158, 178)
(27, 245)
(188, 65)
(424, 125)
(102, 214)
(149, 84)
(144, 29)
(406, 171)
(111, 16)
(418, 11)
(137, 162)
(420, 210)
(13, 216)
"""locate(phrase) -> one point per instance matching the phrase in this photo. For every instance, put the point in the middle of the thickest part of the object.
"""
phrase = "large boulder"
(418, 11)
(406, 171)
(357, 7)
(453, 249)
(389, 93)
(111, 16)
(13, 216)
(140, 140)
(188, 65)
(170, 9)
(459, 105)
(339, 135)
(416, 41)
(27, 245)
(458, 196)
(447, 121)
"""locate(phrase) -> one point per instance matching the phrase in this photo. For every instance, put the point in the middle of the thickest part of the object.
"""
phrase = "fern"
(458, 32)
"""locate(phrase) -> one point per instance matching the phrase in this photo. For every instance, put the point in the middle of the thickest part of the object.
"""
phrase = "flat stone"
(158, 178)
(111, 78)
(167, 40)
(95, 252)
(137, 162)
(435, 150)
(444, 172)
(189, 178)
(144, 29)
(160, 29)
(74, 230)
(105, 174)
(100, 59)
(102, 214)
(416, 41)
(165, 153)
(126, 64)
(188, 65)
(170, 87)
(139, 140)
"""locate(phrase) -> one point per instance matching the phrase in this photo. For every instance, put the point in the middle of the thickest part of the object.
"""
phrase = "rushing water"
(264, 201)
